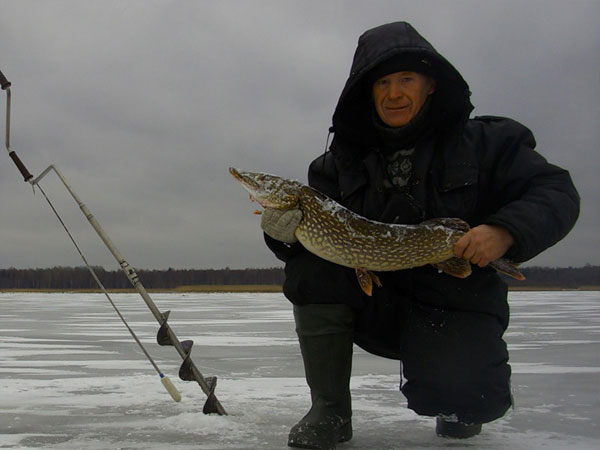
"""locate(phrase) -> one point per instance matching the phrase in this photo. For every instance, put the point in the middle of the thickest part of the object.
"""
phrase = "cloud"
(145, 104)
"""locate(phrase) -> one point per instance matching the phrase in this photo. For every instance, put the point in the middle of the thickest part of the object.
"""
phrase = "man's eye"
(407, 79)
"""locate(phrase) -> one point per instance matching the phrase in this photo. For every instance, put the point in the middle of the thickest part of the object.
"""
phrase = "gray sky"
(143, 105)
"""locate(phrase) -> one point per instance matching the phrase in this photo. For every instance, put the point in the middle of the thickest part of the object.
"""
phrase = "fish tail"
(508, 268)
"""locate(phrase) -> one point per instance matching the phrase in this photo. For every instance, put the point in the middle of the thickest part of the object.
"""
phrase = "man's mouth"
(397, 108)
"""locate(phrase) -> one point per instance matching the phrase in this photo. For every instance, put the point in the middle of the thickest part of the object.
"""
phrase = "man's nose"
(396, 90)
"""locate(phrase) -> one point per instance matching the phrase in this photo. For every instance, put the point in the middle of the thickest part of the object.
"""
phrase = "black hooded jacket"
(484, 170)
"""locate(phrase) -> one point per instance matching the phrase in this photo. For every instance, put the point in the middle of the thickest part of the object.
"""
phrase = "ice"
(74, 379)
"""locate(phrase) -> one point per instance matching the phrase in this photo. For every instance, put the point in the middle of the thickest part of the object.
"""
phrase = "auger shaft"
(212, 404)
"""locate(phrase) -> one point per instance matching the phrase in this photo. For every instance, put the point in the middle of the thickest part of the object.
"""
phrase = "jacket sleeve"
(538, 201)
(283, 251)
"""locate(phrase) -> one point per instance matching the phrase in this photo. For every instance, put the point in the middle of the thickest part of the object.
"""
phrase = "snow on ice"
(74, 379)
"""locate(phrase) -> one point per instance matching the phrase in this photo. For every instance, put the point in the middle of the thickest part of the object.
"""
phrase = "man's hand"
(280, 224)
(483, 244)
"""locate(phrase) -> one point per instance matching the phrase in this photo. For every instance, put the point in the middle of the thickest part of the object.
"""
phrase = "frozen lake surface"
(72, 377)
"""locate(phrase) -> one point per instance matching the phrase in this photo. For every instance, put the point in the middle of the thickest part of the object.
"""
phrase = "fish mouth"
(236, 174)
(245, 181)
(249, 185)
(261, 188)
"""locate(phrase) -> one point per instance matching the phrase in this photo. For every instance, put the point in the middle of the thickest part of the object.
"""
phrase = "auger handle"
(4, 83)
(26, 175)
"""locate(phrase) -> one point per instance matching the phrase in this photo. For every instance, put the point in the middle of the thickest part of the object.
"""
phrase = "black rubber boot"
(455, 429)
(325, 336)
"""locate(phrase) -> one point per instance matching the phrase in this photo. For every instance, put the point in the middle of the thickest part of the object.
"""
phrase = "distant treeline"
(80, 278)
(557, 277)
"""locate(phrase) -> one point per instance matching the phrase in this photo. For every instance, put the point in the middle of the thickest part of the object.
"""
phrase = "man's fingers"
(483, 244)
(469, 252)
(470, 248)
(461, 245)
(480, 261)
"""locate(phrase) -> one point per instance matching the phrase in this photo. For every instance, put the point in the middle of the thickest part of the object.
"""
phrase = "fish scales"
(333, 232)
(342, 236)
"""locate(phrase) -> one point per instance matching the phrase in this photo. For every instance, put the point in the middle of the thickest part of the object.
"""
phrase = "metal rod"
(98, 282)
(5, 85)
(7, 139)
(135, 281)
(169, 385)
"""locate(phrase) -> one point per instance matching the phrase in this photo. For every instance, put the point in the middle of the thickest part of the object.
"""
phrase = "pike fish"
(336, 234)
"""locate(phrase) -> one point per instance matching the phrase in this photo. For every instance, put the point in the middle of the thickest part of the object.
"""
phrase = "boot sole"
(345, 434)
(456, 430)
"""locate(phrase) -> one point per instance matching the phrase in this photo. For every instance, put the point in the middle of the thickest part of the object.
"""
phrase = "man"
(405, 151)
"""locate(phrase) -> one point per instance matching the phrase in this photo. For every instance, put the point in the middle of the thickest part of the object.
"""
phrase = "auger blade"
(188, 370)
(187, 345)
(210, 406)
(162, 337)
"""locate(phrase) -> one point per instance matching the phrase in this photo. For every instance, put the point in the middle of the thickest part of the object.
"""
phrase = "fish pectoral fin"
(457, 267)
(366, 279)
(375, 279)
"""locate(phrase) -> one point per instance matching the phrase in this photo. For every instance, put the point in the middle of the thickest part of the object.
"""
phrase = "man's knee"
(312, 280)
(469, 400)
(456, 363)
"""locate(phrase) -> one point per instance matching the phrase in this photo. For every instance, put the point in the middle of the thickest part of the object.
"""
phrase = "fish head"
(270, 191)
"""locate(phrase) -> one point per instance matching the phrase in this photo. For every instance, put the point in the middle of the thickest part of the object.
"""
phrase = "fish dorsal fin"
(452, 223)
(457, 267)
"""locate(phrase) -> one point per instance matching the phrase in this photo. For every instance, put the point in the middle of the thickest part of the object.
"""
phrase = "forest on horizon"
(79, 277)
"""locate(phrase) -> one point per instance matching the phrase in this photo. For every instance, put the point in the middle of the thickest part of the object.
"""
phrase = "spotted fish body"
(341, 236)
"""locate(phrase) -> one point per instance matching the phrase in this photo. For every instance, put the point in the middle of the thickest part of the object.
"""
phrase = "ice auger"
(166, 336)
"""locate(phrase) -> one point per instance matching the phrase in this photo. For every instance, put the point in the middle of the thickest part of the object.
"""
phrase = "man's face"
(398, 96)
